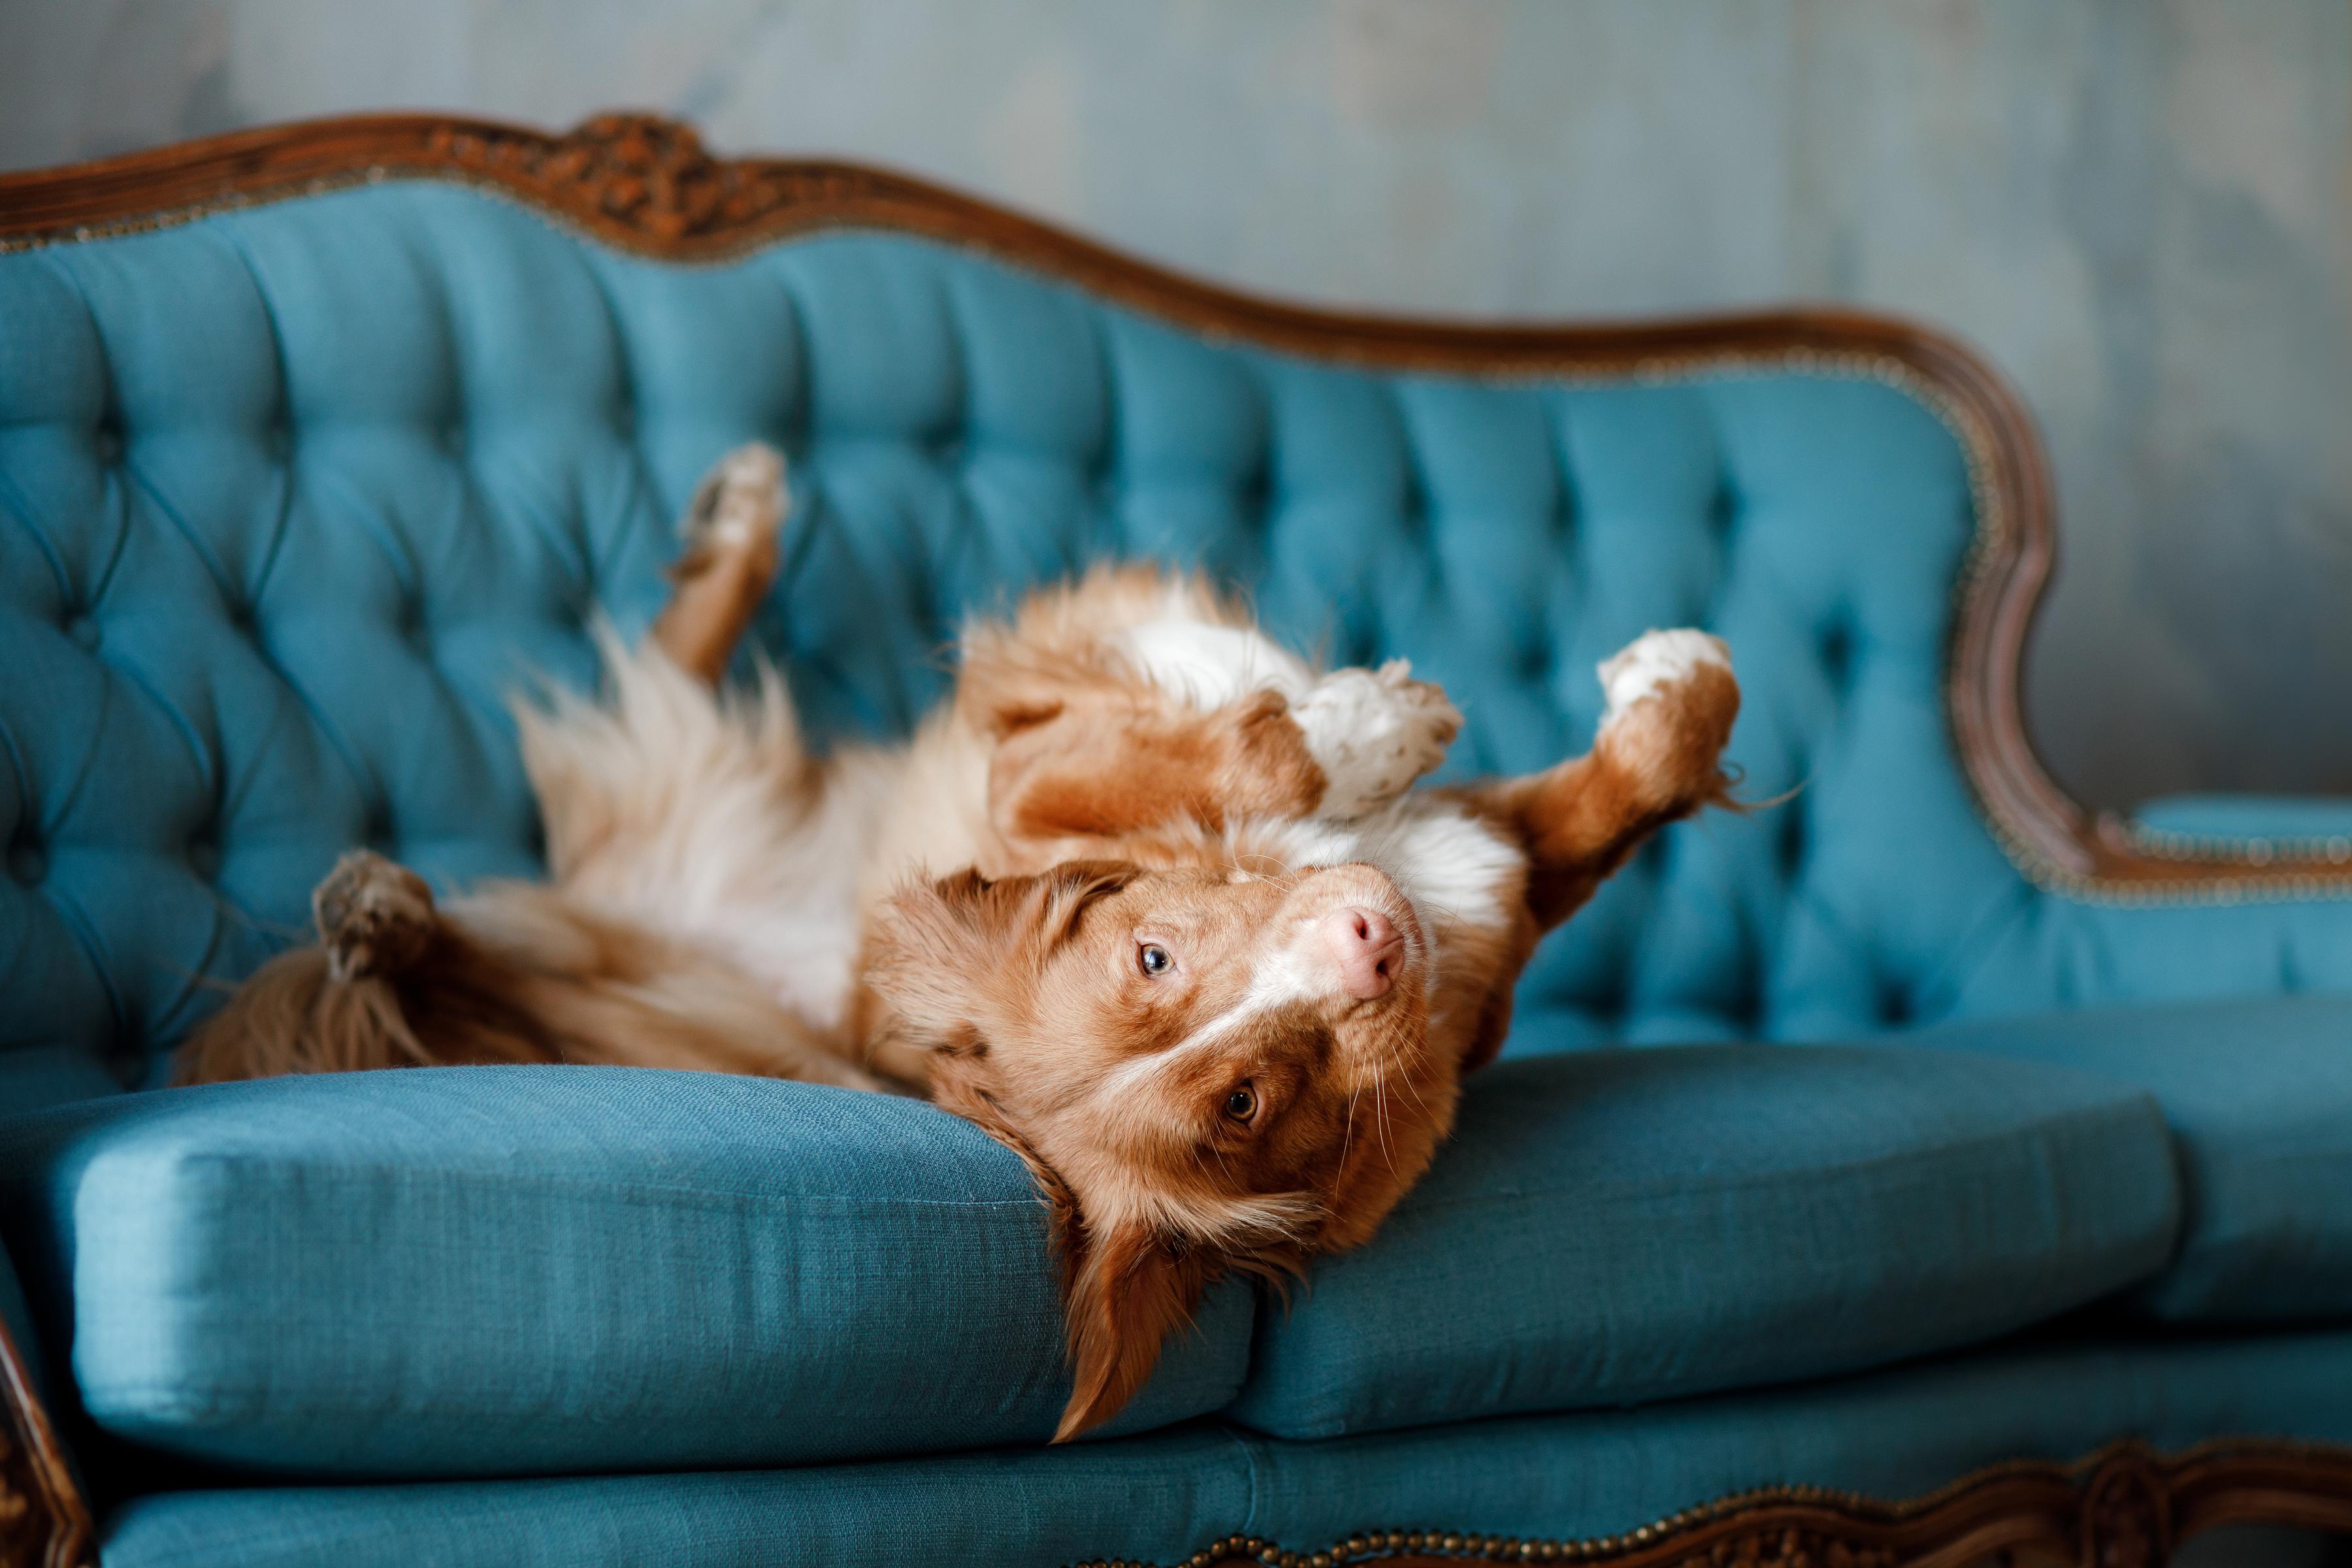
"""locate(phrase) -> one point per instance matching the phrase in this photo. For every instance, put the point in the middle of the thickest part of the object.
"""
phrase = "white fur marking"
(1209, 665)
(1452, 866)
(1283, 977)
(1449, 865)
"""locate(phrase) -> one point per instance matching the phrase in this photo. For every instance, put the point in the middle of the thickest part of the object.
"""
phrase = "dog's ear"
(1122, 1293)
(1129, 1284)
(1129, 1288)
(938, 945)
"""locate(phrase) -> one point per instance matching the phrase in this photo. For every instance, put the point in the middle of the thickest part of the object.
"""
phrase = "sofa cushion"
(466, 1271)
(1163, 1497)
(1615, 1226)
(2259, 1095)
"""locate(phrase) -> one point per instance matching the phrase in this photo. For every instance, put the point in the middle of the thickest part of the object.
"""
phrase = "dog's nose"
(1368, 947)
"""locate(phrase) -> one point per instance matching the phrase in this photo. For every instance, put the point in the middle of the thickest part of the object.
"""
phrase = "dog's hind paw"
(1373, 733)
(1672, 702)
(376, 917)
(739, 505)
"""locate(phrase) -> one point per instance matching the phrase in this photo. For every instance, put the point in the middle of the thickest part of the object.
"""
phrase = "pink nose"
(1369, 948)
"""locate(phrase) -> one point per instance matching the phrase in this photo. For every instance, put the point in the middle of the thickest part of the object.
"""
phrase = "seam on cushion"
(230, 232)
(592, 259)
(1803, 892)
(1670, 1186)
(2007, 906)
(967, 529)
(123, 535)
(77, 922)
(326, 731)
(15, 758)
(286, 1176)
(177, 721)
(1249, 1446)
(88, 759)
(20, 511)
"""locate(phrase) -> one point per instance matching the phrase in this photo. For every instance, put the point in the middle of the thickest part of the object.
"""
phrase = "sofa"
(1915, 1167)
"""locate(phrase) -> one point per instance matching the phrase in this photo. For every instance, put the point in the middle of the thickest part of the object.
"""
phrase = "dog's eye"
(1242, 1104)
(1154, 959)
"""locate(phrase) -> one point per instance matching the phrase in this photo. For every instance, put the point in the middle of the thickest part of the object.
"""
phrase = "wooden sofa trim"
(646, 185)
(43, 1521)
(2123, 1507)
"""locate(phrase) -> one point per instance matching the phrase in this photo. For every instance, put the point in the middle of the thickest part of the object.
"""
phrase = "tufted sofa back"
(291, 498)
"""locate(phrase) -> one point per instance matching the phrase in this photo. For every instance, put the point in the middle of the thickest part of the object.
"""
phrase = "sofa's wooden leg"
(43, 1521)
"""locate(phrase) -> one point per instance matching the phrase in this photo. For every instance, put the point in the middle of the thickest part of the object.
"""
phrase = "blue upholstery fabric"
(1160, 1497)
(1612, 1228)
(289, 497)
(488, 1270)
(1127, 1500)
(2259, 1096)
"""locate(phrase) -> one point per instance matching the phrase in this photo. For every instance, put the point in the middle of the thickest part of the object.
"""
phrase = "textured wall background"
(2142, 209)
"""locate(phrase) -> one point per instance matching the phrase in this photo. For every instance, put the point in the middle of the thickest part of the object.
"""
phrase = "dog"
(1148, 899)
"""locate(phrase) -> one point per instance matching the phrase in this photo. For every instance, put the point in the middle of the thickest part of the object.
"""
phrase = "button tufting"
(107, 443)
(26, 863)
(85, 632)
(205, 859)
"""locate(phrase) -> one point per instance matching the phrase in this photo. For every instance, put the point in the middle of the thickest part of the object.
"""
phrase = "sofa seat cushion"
(1162, 1496)
(1615, 1226)
(500, 1270)
(2258, 1091)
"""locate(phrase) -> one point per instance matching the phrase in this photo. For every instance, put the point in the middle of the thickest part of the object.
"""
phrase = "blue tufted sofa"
(2031, 1226)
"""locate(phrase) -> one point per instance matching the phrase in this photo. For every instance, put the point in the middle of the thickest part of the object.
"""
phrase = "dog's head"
(1206, 1070)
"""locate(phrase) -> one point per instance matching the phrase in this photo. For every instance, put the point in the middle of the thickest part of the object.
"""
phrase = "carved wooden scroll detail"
(649, 174)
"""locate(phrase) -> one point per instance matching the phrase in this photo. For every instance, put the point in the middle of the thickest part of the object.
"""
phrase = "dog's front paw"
(739, 505)
(376, 917)
(1373, 733)
(1672, 701)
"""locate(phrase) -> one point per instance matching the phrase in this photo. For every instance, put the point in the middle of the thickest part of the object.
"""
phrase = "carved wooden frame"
(646, 185)
(43, 1521)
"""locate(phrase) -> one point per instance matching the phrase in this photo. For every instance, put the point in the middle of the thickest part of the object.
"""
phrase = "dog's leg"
(344, 1003)
(1098, 769)
(1373, 733)
(513, 974)
(1656, 759)
(728, 563)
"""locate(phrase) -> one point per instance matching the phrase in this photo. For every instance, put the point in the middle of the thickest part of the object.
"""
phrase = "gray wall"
(2142, 209)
